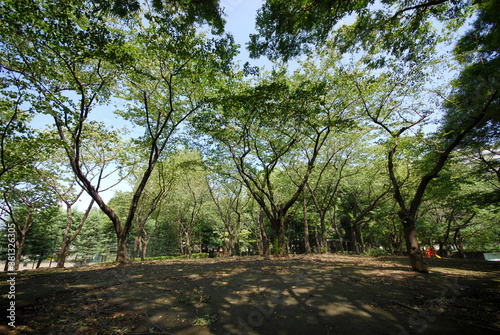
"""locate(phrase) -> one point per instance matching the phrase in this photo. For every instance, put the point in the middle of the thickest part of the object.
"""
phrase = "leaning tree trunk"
(40, 259)
(64, 253)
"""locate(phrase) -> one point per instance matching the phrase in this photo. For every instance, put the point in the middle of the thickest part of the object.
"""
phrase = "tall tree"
(102, 159)
(228, 197)
(154, 195)
(260, 125)
(25, 201)
(189, 195)
(86, 48)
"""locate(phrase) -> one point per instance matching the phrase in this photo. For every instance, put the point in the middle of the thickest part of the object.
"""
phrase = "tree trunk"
(19, 251)
(68, 239)
(282, 247)
(446, 242)
(40, 260)
(262, 228)
(188, 245)
(412, 246)
(144, 249)
(181, 245)
(121, 252)
(359, 233)
(335, 226)
(354, 242)
(306, 225)
(324, 243)
(63, 254)
(230, 245)
(459, 243)
(136, 245)
(65, 241)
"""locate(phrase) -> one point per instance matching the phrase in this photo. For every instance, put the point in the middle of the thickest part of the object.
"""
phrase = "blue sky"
(240, 17)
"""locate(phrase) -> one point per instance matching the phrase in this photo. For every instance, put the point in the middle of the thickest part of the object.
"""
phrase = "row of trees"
(343, 140)
(204, 210)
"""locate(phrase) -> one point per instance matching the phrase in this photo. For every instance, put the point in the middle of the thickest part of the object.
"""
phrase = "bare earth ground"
(319, 294)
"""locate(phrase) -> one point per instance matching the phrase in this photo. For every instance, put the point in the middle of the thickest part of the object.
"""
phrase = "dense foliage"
(357, 150)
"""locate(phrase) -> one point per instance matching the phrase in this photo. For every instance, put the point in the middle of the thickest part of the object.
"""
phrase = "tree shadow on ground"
(322, 294)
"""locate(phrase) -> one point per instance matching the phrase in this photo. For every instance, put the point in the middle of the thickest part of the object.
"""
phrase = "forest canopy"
(377, 140)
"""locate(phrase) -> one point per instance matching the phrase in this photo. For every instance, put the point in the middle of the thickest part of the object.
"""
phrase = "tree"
(359, 196)
(389, 110)
(228, 197)
(477, 84)
(97, 239)
(326, 178)
(101, 160)
(394, 28)
(260, 125)
(190, 193)
(19, 144)
(152, 198)
(25, 201)
(157, 55)
(42, 238)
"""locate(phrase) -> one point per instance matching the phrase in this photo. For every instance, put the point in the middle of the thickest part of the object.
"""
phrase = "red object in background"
(430, 252)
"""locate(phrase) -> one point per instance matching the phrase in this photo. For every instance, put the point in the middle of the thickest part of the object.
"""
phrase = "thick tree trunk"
(412, 246)
(19, 251)
(63, 254)
(121, 252)
(282, 247)
(231, 249)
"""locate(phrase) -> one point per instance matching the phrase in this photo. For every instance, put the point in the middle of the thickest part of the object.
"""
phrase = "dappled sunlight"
(322, 294)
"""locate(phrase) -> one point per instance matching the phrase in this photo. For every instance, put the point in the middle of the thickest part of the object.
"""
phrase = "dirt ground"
(317, 294)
